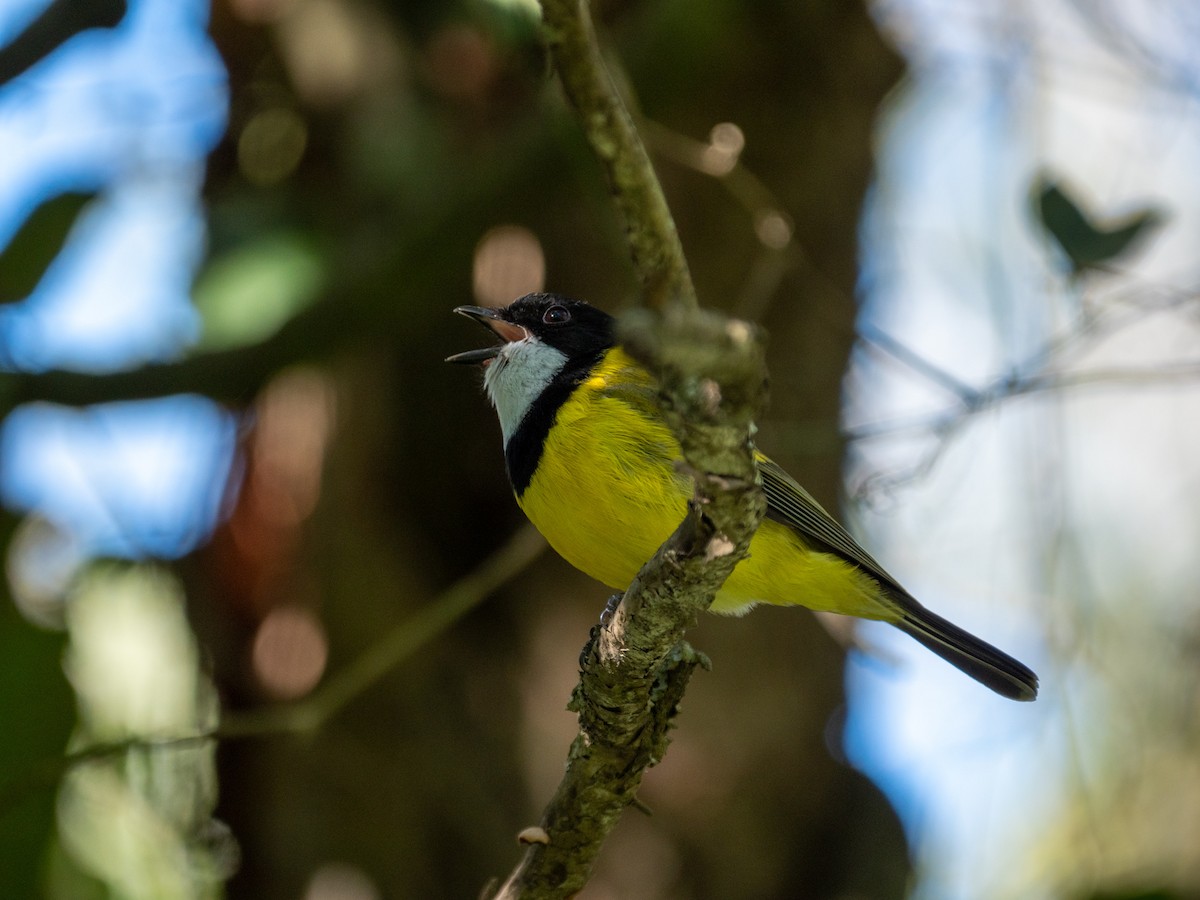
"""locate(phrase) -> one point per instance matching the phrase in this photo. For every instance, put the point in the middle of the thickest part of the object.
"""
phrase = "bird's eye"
(556, 315)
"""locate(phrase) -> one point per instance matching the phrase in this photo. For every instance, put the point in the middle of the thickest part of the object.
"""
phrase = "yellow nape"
(606, 494)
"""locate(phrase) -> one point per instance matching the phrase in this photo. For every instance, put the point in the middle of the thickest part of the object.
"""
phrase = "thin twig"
(945, 426)
(410, 635)
(1044, 369)
(309, 714)
(778, 251)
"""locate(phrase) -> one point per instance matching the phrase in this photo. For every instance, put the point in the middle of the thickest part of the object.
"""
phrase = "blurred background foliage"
(233, 461)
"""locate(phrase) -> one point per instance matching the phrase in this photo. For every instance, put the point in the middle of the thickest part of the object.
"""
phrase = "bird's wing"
(790, 504)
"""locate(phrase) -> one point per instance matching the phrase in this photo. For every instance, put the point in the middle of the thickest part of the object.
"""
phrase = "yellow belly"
(606, 495)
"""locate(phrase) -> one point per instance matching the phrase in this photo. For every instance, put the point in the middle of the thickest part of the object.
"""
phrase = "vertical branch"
(712, 384)
(654, 245)
(636, 665)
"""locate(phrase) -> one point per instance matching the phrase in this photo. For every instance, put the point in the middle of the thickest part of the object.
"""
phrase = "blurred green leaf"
(33, 248)
(1087, 242)
(138, 822)
(36, 717)
(247, 294)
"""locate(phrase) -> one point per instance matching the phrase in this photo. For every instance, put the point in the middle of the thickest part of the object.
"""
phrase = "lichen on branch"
(654, 245)
(711, 375)
(636, 665)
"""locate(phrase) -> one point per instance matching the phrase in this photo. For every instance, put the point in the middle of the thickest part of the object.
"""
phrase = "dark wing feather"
(791, 505)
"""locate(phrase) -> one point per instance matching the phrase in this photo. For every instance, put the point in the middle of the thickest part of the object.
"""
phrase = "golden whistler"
(592, 463)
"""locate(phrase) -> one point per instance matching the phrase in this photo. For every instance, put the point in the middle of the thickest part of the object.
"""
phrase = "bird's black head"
(572, 326)
(548, 345)
(577, 329)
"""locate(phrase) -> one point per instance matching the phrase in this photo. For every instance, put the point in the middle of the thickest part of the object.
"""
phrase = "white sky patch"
(147, 95)
(119, 294)
(129, 113)
(137, 479)
(1038, 519)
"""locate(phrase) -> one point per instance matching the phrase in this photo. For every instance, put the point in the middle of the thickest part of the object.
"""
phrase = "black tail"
(979, 659)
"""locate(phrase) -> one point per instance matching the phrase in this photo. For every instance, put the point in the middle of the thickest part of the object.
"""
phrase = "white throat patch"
(517, 376)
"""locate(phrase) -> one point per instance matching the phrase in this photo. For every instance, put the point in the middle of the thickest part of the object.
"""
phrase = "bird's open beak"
(493, 319)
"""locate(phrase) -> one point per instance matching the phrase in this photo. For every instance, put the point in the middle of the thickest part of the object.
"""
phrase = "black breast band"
(523, 451)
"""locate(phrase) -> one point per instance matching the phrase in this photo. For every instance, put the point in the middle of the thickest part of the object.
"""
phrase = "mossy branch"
(658, 259)
(636, 665)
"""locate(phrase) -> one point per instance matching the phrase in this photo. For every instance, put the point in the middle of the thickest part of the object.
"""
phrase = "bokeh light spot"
(271, 145)
(295, 418)
(460, 63)
(42, 562)
(509, 262)
(334, 50)
(773, 229)
(338, 881)
(289, 652)
(725, 144)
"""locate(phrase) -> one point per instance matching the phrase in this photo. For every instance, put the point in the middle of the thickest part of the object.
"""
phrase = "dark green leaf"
(58, 23)
(33, 248)
(36, 716)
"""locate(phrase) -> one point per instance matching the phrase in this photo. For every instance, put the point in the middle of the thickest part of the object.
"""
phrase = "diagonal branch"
(636, 665)
(343, 687)
(711, 376)
(392, 648)
(654, 245)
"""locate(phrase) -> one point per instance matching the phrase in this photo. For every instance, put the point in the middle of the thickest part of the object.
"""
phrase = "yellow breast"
(606, 494)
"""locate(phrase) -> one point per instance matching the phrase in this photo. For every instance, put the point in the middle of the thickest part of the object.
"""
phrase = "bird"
(593, 464)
